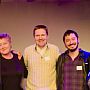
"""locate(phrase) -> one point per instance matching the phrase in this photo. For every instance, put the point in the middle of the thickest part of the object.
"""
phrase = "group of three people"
(43, 65)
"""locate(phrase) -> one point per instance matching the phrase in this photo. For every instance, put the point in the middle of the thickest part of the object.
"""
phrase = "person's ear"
(78, 40)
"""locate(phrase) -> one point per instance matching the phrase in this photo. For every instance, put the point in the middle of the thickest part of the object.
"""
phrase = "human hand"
(18, 53)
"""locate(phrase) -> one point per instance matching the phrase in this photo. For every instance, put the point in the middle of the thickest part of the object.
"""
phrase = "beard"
(72, 50)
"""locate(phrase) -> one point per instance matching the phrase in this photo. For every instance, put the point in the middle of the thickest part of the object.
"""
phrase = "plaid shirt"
(71, 75)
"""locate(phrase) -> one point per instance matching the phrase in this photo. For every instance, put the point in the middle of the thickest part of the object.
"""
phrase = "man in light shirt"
(40, 60)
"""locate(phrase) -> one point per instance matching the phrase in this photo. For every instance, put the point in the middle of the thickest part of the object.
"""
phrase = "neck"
(42, 46)
(8, 55)
(74, 54)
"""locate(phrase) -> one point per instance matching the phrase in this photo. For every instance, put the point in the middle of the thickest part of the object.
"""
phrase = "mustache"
(72, 44)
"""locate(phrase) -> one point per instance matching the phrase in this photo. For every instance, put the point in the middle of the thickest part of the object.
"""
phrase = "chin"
(4, 53)
(72, 50)
(41, 46)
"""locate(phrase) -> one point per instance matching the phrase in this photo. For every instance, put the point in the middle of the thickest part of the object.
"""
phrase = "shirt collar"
(46, 46)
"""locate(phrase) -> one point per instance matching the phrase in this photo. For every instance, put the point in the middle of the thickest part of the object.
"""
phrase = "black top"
(12, 71)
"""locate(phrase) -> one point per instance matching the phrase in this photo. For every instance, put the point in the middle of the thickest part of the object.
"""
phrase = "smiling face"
(5, 46)
(71, 42)
(40, 37)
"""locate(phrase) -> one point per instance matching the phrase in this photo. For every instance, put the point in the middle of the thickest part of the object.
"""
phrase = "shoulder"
(85, 52)
(30, 47)
(62, 55)
(52, 46)
(61, 60)
(17, 54)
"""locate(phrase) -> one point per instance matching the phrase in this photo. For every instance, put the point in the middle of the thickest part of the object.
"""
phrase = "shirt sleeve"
(25, 72)
(88, 75)
(26, 58)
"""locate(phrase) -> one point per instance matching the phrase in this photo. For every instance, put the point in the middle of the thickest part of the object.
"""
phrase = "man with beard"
(73, 66)
(40, 60)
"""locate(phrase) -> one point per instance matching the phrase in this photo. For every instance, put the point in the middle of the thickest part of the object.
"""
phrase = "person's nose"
(71, 41)
(40, 37)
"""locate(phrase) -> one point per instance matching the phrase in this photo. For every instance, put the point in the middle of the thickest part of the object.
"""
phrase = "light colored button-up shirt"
(41, 67)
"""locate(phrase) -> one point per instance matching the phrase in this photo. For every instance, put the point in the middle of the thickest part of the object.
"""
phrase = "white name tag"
(78, 67)
(47, 58)
(43, 89)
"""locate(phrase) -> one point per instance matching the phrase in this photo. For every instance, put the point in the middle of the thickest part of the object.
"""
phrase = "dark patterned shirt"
(73, 76)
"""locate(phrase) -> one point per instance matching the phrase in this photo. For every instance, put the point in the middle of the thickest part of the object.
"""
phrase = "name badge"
(78, 67)
(47, 58)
